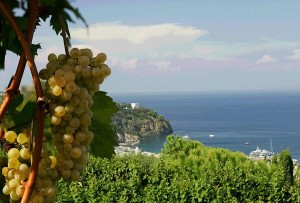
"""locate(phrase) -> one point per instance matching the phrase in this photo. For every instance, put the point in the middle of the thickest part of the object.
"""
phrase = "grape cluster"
(70, 85)
(18, 169)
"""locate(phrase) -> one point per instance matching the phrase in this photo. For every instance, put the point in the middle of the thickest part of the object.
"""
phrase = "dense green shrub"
(187, 171)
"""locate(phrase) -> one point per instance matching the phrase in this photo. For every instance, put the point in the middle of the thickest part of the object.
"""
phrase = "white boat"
(211, 135)
(259, 154)
(186, 137)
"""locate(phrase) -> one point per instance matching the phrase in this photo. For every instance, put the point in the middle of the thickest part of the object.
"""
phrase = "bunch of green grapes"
(70, 85)
(17, 171)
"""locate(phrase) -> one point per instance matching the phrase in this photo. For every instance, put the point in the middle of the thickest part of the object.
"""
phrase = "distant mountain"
(131, 125)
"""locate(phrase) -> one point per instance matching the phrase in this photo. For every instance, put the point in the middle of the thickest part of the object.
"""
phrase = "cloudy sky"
(179, 45)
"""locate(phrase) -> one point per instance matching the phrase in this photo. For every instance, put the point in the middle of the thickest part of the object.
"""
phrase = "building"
(135, 105)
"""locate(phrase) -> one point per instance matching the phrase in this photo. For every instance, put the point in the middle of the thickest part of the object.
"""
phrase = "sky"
(185, 45)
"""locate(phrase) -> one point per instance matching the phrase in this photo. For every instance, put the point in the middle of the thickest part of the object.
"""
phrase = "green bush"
(187, 171)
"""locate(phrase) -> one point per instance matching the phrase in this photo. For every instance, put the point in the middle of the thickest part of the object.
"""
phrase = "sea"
(239, 121)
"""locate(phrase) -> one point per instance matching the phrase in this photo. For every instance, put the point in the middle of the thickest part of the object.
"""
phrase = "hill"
(130, 125)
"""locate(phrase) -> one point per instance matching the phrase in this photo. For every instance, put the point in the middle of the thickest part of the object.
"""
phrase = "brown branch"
(63, 34)
(9, 16)
(14, 84)
(36, 151)
(39, 91)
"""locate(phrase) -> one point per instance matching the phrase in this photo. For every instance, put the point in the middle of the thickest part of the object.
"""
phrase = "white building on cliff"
(135, 105)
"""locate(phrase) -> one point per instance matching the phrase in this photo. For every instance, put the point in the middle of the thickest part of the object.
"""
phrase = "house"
(135, 105)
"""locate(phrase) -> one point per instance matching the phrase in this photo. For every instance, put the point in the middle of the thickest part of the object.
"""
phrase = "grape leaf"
(103, 110)
(19, 113)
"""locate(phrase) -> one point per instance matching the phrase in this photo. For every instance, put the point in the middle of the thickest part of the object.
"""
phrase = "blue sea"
(266, 120)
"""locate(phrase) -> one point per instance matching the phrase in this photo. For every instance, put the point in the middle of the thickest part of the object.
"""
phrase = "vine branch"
(63, 34)
(38, 87)
(13, 87)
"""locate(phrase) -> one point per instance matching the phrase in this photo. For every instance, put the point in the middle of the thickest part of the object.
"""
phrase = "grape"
(71, 86)
(74, 122)
(69, 108)
(6, 190)
(75, 175)
(84, 60)
(66, 95)
(50, 191)
(52, 80)
(24, 153)
(59, 73)
(11, 173)
(13, 153)
(101, 57)
(14, 196)
(52, 57)
(67, 116)
(69, 76)
(86, 72)
(23, 167)
(62, 58)
(13, 163)
(5, 171)
(67, 147)
(20, 190)
(105, 70)
(42, 171)
(44, 74)
(71, 61)
(75, 152)
(55, 120)
(13, 184)
(88, 53)
(74, 53)
(85, 120)
(56, 90)
(96, 72)
(37, 198)
(80, 136)
(20, 175)
(65, 174)
(68, 138)
(53, 161)
(22, 138)
(10, 136)
(59, 111)
(61, 81)
(74, 100)
(79, 167)
(78, 68)
(99, 79)
(47, 182)
(70, 130)
(53, 174)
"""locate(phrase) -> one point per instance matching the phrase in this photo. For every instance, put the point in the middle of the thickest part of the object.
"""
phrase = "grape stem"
(14, 87)
(63, 34)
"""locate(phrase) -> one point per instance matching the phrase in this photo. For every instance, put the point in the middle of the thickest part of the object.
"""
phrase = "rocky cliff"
(131, 125)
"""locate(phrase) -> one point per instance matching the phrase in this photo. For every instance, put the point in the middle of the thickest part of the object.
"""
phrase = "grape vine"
(71, 80)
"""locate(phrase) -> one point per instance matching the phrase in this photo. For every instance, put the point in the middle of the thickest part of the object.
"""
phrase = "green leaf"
(19, 113)
(103, 110)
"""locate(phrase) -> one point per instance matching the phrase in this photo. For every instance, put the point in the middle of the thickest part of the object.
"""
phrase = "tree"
(285, 160)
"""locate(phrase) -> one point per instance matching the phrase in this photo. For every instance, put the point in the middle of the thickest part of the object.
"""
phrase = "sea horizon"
(234, 118)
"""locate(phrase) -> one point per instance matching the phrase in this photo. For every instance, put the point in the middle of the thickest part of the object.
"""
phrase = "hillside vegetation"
(187, 171)
(131, 124)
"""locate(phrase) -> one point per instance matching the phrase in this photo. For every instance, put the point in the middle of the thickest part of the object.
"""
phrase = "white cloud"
(296, 55)
(266, 59)
(135, 33)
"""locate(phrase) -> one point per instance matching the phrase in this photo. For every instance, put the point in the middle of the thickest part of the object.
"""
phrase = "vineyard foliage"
(187, 171)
